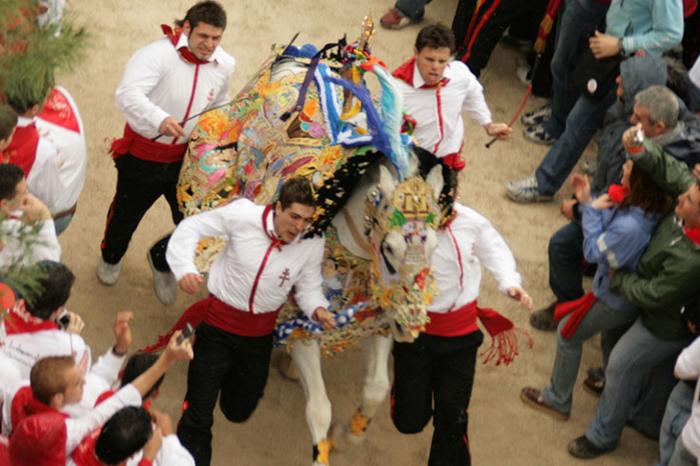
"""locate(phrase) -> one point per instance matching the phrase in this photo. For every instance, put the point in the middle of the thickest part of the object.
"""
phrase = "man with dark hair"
(436, 90)
(265, 257)
(8, 123)
(165, 84)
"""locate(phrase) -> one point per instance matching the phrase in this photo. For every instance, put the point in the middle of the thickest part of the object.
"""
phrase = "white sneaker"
(164, 283)
(108, 274)
(525, 191)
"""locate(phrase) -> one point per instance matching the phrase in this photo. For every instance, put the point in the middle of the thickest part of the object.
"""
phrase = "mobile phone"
(63, 320)
(187, 332)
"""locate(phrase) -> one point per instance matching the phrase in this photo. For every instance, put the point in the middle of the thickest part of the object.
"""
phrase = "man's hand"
(152, 447)
(170, 127)
(163, 422)
(191, 283)
(602, 202)
(122, 332)
(582, 187)
(567, 208)
(696, 171)
(75, 323)
(325, 317)
(500, 131)
(178, 351)
(521, 296)
(34, 209)
(604, 45)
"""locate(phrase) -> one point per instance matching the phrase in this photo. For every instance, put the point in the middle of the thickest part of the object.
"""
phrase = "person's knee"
(238, 410)
(409, 423)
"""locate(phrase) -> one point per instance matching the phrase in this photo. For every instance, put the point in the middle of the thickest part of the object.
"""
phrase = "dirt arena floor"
(502, 430)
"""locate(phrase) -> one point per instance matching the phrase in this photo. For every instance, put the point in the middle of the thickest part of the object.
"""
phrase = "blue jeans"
(678, 409)
(413, 9)
(576, 24)
(600, 317)
(581, 124)
(565, 262)
(681, 455)
(631, 361)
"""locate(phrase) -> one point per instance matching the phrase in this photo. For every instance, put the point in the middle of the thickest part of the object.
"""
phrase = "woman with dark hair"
(617, 227)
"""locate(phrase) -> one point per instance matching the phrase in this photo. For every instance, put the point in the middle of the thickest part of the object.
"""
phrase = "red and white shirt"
(158, 83)
(438, 109)
(251, 274)
(464, 245)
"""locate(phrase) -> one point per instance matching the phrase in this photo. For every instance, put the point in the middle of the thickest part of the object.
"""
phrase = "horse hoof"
(286, 367)
(344, 439)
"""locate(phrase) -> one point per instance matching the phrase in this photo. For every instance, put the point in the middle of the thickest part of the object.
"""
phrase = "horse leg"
(307, 358)
(376, 387)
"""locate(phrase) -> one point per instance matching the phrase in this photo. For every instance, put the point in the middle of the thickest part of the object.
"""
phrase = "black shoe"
(584, 449)
(543, 319)
(595, 381)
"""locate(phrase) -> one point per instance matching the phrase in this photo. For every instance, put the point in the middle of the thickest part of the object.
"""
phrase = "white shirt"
(694, 73)
(70, 152)
(688, 367)
(171, 453)
(438, 111)
(463, 246)
(44, 245)
(242, 264)
(158, 83)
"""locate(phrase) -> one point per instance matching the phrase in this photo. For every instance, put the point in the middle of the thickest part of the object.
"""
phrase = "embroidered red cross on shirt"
(284, 276)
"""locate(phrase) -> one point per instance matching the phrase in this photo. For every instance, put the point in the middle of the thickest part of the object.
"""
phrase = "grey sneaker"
(164, 283)
(108, 274)
(535, 117)
(538, 135)
(525, 191)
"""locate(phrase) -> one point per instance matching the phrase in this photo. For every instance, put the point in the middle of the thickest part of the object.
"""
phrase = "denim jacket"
(653, 25)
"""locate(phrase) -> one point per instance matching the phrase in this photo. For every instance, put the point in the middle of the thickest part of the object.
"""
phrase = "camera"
(63, 320)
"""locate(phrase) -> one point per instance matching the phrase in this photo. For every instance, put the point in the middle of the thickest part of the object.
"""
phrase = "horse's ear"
(386, 180)
(435, 180)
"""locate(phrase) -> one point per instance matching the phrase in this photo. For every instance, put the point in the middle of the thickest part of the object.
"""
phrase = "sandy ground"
(502, 430)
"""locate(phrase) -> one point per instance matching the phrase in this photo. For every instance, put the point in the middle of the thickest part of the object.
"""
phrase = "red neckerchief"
(185, 53)
(693, 234)
(617, 193)
(19, 320)
(22, 148)
(84, 453)
(406, 71)
(24, 404)
(276, 242)
(58, 110)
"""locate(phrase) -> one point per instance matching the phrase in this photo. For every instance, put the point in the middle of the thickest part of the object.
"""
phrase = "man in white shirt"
(165, 85)
(433, 376)
(250, 280)
(27, 230)
(436, 90)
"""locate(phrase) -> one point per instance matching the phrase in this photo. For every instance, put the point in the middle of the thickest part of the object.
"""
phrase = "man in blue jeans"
(404, 13)
(631, 26)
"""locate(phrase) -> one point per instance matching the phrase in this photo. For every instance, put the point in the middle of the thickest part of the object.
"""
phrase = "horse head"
(400, 223)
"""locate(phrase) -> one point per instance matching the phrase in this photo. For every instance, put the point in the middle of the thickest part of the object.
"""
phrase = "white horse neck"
(350, 221)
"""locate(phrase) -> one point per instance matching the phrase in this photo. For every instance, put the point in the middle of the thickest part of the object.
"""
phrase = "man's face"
(6, 142)
(74, 385)
(292, 221)
(203, 39)
(688, 207)
(10, 205)
(432, 63)
(651, 129)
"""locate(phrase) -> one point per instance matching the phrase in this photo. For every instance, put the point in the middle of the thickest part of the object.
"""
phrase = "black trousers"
(139, 185)
(231, 367)
(433, 377)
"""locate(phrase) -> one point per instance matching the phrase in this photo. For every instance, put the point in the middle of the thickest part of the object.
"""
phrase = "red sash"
(143, 148)
(578, 310)
(58, 110)
(24, 404)
(19, 321)
(22, 148)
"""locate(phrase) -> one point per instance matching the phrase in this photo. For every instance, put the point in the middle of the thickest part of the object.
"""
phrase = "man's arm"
(141, 75)
(668, 173)
(666, 30)
(308, 289)
(183, 243)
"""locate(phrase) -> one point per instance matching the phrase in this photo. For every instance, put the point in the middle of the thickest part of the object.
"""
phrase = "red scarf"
(617, 193)
(24, 404)
(578, 310)
(58, 110)
(84, 453)
(185, 53)
(22, 148)
(19, 321)
(406, 71)
(693, 234)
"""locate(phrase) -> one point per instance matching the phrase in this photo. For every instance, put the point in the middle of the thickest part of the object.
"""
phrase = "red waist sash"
(138, 146)
(453, 323)
(578, 310)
